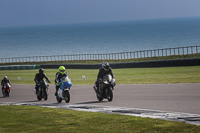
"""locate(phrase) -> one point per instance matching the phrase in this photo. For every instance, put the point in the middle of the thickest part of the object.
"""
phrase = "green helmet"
(62, 69)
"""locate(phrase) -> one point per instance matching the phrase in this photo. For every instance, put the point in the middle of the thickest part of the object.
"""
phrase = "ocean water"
(99, 38)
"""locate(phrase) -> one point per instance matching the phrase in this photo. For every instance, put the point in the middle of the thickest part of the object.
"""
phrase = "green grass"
(40, 119)
(189, 74)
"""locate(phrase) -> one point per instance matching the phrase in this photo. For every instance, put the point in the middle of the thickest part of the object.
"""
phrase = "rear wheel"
(109, 94)
(67, 96)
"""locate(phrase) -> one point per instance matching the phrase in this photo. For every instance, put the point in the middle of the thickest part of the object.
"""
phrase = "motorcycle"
(6, 90)
(43, 90)
(63, 91)
(106, 87)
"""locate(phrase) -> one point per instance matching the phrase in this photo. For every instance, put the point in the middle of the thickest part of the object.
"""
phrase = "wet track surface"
(179, 102)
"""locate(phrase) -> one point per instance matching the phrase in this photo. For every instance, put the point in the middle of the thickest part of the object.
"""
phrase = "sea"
(99, 38)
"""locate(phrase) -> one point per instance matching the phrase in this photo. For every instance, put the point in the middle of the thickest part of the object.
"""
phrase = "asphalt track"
(183, 97)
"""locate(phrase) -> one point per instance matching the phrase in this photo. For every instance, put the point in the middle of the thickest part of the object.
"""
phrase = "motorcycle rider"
(59, 75)
(4, 81)
(39, 77)
(104, 70)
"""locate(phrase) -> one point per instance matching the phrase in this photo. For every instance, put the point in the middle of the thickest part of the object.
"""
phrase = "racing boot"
(57, 87)
(95, 88)
(35, 91)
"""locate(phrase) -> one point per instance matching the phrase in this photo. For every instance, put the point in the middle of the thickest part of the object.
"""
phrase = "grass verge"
(41, 119)
(189, 74)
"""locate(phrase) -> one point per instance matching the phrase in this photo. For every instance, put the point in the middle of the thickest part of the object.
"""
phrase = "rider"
(4, 81)
(59, 75)
(104, 70)
(39, 77)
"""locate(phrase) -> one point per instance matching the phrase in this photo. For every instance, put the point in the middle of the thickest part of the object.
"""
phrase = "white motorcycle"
(63, 91)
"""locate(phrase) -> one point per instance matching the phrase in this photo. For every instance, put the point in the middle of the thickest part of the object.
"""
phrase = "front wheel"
(109, 94)
(59, 100)
(39, 97)
(45, 94)
(99, 97)
(7, 92)
(67, 96)
(39, 94)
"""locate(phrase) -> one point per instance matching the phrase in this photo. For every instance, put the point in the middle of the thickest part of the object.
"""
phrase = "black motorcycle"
(106, 87)
(43, 90)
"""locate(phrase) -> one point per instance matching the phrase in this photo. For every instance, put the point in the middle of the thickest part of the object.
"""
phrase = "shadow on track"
(30, 101)
(91, 102)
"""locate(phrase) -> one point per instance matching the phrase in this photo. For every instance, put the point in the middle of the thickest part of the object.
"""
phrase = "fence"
(19, 67)
(189, 50)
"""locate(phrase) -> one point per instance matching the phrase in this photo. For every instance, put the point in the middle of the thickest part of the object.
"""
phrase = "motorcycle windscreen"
(65, 85)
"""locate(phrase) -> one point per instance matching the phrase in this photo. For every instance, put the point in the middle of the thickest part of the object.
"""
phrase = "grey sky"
(41, 12)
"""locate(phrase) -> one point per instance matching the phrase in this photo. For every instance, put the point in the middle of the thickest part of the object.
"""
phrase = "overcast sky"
(42, 12)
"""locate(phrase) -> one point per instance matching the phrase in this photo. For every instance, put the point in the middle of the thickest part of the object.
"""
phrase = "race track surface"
(183, 98)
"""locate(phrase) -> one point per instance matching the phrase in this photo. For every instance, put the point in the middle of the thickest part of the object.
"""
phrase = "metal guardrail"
(189, 50)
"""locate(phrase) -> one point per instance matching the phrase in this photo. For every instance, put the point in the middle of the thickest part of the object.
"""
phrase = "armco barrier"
(73, 66)
(144, 64)
(189, 50)
(19, 67)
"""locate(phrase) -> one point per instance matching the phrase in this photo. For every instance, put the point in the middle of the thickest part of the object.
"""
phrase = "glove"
(58, 84)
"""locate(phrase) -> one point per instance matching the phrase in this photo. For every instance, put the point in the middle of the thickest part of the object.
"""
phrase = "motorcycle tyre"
(99, 98)
(7, 93)
(39, 93)
(67, 96)
(59, 100)
(109, 94)
(45, 95)
(39, 97)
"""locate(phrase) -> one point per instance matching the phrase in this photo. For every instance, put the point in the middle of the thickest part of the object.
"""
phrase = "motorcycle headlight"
(112, 81)
(109, 78)
(105, 82)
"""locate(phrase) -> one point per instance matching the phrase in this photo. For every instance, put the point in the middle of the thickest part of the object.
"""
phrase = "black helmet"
(105, 65)
(41, 70)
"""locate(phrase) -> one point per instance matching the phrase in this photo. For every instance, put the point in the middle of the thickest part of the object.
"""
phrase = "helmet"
(5, 77)
(62, 69)
(105, 65)
(41, 70)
